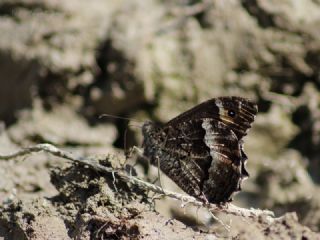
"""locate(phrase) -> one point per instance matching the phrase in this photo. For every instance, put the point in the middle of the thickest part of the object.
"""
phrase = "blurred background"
(64, 63)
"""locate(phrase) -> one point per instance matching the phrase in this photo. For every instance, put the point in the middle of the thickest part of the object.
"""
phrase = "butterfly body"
(201, 150)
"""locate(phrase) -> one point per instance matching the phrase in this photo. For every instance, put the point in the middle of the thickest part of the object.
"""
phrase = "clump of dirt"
(92, 205)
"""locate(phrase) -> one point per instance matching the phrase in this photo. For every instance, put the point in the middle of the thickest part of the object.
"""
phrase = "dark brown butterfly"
(201, 150)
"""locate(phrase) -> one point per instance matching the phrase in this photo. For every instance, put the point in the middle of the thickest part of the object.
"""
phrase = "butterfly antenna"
(118, 117)
(127, 152)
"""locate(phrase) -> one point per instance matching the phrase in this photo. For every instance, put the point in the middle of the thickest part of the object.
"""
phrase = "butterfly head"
(237, 113)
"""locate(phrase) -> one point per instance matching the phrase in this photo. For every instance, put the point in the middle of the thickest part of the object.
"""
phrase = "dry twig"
(227, 208)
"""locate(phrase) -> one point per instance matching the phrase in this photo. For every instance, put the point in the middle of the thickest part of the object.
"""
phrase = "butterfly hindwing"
(226, 155)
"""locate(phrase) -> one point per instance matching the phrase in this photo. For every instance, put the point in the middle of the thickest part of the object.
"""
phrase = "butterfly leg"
(204, 199)
(158, 160)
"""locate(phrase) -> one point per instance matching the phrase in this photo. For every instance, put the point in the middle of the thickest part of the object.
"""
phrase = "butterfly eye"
(231, 113)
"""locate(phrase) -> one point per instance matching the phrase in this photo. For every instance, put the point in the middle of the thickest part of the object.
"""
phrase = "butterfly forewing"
(191, 168)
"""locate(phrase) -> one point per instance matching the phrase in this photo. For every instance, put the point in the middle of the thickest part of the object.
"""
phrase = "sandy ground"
(64, 63)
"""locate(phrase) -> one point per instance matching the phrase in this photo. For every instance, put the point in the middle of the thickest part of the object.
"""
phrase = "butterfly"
(201, 150)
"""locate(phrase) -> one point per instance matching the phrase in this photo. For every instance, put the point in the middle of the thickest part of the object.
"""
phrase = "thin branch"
(227, 208)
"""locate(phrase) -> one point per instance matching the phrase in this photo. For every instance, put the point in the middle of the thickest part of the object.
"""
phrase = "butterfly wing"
(236, 113)
(200, 149)
(182, 155)
(227, 166)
